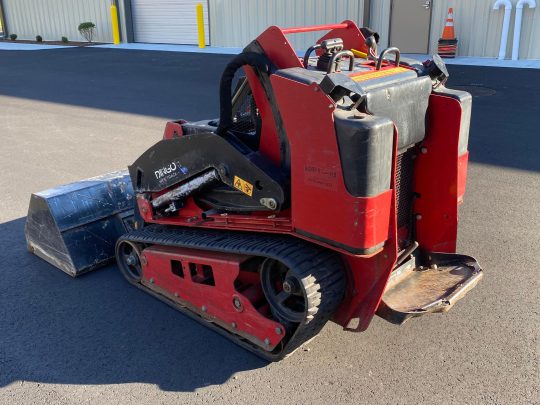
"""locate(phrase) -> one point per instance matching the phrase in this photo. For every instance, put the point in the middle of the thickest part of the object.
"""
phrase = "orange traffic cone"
(448, 32)
(448, 41)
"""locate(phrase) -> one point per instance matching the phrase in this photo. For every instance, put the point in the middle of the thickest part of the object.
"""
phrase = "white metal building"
(412, 25)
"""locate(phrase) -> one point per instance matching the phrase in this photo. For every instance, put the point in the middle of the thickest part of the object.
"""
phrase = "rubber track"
(321, 271)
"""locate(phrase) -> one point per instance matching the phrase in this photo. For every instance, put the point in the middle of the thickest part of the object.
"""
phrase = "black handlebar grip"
(256, 61)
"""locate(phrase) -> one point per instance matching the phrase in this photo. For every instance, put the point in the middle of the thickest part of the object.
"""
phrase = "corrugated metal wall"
(122, 19)
(53, 19)
(530, 33)
(478, 28)
(237, 22)
(379, 20)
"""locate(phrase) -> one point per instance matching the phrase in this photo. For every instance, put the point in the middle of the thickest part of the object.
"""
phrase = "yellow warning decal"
(244, 186)
(378, 73)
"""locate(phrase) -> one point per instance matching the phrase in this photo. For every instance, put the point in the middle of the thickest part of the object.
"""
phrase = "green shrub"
(39, 38)
(13, 37)
(65, 40)
(87, 30)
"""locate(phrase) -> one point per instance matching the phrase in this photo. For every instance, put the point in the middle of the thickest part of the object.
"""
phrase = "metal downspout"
(506, 24)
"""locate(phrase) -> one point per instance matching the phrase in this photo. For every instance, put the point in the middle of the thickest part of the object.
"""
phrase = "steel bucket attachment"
(429, 284)
(75, 226)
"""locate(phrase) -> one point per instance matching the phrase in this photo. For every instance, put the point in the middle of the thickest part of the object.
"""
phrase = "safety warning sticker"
(244, 186)
(378, 73)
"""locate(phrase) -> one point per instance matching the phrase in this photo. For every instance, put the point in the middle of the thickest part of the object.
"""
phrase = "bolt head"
(424, 150)
(279, 331)
(287, 287)
(418, 217)
(234, 325)
(237, 304)
(290, 286)
(222, 170)
(272, 204)
(267, 341)
(204, 308)
(151, 281)
(176, 295)
(269, 203)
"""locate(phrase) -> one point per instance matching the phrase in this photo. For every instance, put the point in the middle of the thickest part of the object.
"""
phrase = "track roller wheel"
(285, 291)
(128, 257)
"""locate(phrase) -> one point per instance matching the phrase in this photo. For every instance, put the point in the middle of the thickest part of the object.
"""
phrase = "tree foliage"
(87, 30)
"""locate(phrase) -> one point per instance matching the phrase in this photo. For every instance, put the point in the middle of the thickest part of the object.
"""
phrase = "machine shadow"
(161, 84)
(97, 329)
(505, 113)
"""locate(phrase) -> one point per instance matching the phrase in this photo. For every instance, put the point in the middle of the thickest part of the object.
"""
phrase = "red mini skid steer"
(327, 190)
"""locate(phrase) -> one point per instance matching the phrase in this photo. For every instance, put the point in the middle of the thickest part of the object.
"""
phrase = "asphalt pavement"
(69, 114)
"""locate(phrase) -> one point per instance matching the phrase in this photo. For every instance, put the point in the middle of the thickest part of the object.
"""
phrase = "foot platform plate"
(427, 285)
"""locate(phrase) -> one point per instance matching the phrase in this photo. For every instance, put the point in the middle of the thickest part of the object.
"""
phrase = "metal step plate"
(429, 284)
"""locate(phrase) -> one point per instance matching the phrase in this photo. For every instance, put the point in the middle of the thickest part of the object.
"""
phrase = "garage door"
(167, 21)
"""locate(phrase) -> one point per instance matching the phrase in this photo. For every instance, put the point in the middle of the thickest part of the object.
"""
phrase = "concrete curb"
(136, 46)
(489, 62)
(6, 46)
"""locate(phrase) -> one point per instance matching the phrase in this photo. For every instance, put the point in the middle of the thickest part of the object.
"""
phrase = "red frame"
(212, 302)
(440, 176)
(322, 210)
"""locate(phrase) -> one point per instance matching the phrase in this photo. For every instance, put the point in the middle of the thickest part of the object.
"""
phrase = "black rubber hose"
(257, 61)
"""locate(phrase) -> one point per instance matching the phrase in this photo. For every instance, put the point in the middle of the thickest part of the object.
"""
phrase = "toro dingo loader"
(328, 190)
